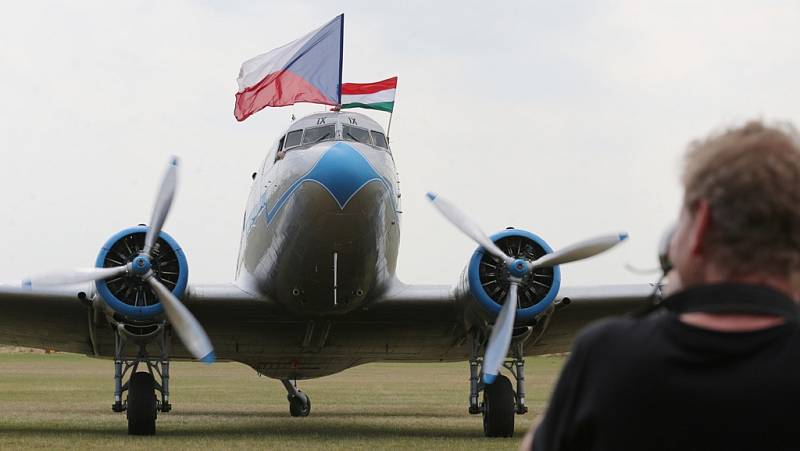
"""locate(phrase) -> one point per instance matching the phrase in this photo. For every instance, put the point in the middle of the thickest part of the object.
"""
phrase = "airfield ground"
(56, 401)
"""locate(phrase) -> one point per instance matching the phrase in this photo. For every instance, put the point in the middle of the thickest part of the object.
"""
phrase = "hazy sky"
(568, 119)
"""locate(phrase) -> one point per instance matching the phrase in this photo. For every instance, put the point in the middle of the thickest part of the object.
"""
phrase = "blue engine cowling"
(129, 295)
(487, 277)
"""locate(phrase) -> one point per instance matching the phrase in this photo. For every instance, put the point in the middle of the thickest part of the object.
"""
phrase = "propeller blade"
(500, 340)
(163, 203)
(579, 251)
(75, 276)
(465, 224)
(185, 324)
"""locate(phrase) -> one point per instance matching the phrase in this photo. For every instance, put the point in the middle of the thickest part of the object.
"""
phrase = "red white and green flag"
(375, 96)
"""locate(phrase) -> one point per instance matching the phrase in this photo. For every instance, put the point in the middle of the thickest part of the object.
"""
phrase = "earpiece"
(663, 249)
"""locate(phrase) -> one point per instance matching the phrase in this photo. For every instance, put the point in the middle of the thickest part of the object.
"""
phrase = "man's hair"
(750, 177)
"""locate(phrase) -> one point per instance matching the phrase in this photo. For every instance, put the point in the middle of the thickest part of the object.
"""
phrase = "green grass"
(57, 401)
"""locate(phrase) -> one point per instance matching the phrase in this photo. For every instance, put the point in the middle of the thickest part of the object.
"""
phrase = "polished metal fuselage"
(322, 244)
(320, 239)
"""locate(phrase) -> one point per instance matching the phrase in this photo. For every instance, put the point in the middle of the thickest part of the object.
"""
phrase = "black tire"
(141, 404)
(299, 406)
(498, 408)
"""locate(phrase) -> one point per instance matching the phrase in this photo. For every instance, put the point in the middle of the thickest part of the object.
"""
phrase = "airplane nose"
(342, 171)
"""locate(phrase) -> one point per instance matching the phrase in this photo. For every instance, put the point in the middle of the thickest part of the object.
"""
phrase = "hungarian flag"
(375, 96)
(306, 70)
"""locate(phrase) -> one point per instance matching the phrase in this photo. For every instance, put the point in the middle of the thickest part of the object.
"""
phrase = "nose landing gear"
(299, 402)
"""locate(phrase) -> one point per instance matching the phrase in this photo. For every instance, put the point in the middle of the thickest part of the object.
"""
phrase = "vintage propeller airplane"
(315, 290)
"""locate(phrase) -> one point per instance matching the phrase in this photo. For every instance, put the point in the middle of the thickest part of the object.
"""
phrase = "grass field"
(59, 401)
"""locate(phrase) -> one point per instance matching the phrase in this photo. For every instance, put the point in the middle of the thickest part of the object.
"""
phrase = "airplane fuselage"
(322, 225)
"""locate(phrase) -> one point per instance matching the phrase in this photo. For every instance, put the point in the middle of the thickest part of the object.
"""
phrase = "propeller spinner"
(500, 338)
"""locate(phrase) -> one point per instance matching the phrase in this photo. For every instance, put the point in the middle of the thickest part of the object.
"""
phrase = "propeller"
(466, 225)
(183, 322)
(76, 276)
(500, 338)
(163, 203)
(579, 251)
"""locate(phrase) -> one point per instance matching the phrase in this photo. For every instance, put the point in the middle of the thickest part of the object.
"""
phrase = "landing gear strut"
(500, 400)
(142, 403)
(299, 402)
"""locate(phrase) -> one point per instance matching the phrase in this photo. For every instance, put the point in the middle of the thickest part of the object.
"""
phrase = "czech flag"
(306, 70)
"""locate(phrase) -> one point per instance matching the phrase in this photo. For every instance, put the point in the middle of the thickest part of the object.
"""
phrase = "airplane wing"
(63, 318)
(48, 319)
(576, 307)
(417, 302)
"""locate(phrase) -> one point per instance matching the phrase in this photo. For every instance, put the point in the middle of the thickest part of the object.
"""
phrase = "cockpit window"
(317, 134)
(292, 139)
(356, 134)
(380, 139)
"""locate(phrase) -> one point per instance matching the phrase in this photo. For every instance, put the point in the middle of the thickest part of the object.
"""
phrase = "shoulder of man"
(612, 331)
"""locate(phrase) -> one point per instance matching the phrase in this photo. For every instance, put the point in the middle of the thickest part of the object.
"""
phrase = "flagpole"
(389, 128)
(391, 113)
(341, 58)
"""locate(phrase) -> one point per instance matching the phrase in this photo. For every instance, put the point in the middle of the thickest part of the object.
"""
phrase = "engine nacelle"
(487, 278)
(128, 295)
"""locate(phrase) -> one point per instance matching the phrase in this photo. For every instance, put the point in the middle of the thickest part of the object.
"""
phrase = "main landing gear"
(143, 387)
(299, 402)
(500, 401)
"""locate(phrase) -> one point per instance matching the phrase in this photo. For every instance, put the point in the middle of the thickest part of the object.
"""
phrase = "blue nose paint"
(341, 170)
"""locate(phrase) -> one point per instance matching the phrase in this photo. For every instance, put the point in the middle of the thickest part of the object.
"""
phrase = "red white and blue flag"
(306, 70)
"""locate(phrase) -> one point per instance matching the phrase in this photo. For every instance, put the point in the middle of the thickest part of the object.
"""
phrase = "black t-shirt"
(656, 383)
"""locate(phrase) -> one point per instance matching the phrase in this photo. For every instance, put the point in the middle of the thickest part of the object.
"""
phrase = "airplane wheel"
(141, 404)
(498, 408)
(299, 406)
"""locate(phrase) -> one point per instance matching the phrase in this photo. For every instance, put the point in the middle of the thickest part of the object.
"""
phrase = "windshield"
(292, 139)
(356, 134)
(379, 139)
(317, 134)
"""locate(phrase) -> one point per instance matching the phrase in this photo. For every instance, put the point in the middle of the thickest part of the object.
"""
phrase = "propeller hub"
(518, 268)
(141, 265)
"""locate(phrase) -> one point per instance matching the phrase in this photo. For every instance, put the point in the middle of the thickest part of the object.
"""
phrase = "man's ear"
(699, 229)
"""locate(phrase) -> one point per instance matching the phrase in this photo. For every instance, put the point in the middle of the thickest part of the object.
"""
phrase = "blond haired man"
(718, 365)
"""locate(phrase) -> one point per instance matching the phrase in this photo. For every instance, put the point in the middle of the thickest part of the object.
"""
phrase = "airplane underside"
(289, 351)
(315, 348)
